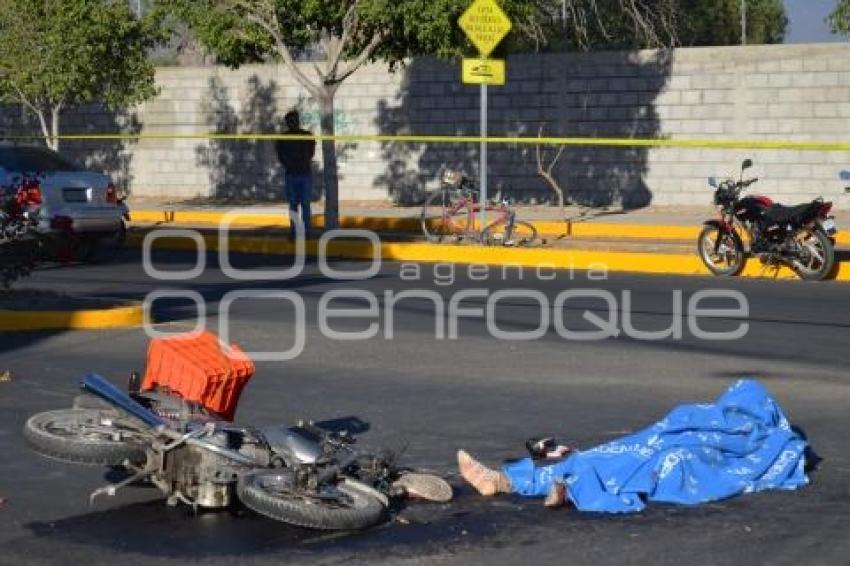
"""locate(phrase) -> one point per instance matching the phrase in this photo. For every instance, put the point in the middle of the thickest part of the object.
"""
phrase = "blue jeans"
(299, 191)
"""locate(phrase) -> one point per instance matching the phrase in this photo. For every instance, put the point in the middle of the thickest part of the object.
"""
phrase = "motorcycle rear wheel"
(77, 436)
(729, 259)
(821, 259)
(332, 507)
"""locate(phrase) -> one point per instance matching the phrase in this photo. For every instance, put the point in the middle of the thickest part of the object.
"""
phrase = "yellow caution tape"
(508, 140)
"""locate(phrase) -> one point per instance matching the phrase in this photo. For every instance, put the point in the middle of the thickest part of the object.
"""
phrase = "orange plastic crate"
(198, 369)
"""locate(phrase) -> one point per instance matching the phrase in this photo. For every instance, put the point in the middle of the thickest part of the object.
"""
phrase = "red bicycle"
(450, 213)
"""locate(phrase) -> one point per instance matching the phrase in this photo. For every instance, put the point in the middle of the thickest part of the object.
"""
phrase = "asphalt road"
(434, 396)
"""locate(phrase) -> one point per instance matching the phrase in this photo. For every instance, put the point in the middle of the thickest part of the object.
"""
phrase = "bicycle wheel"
(522, 234)
(444, 215)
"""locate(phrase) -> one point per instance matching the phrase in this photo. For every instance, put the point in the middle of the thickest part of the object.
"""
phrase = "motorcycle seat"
(792, 214)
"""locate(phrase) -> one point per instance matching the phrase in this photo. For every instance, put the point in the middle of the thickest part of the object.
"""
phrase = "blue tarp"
(741, 443)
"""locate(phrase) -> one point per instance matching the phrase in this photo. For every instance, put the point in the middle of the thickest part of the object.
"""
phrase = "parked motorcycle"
(303, 475)
(801, 236)
(20, 241)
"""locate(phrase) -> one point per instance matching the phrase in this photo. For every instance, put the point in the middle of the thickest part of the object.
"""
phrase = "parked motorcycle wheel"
(729, 259)
(342, 506)
(78, 436)
(819, 259)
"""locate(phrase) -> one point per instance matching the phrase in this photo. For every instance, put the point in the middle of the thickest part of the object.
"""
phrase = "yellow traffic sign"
(485, 24)
(483, 71)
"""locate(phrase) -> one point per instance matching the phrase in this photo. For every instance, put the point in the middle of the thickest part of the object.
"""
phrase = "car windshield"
(23, 159)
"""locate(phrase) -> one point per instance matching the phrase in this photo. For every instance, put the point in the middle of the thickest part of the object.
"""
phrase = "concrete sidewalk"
(659, 224)
(660, 215)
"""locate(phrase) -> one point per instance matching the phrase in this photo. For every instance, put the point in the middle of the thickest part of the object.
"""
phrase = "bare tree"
(651, 23)
(545, 168)
(645, 23)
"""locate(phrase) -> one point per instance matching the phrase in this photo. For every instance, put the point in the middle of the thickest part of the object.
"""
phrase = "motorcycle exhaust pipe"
(99, 386)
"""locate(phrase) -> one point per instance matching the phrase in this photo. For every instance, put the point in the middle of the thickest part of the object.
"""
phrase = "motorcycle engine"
(201, 476)
(768, 237)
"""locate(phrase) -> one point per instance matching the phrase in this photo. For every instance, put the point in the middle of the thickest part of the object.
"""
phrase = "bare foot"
(486, 481)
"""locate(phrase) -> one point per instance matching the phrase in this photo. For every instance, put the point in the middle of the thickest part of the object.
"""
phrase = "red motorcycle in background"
(801, 236)
(20, 241)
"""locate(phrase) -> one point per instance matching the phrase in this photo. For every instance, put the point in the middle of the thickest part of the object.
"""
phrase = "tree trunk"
(50, 130)
(559, 192)
(54, 127)
(329, 167)
(45, 128)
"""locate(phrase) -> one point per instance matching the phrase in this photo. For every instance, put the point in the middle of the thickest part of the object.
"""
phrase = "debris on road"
(5, 377)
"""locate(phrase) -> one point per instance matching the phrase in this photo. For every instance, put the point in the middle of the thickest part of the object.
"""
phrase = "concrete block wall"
(784, 92)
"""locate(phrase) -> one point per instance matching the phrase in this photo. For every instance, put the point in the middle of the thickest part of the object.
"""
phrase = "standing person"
(296, 156)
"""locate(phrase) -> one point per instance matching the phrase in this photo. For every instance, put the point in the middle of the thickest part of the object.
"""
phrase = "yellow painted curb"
(89, 319)
(207, 217)
(184, 217)
(581, 260)
(411, 224)
(637, 231)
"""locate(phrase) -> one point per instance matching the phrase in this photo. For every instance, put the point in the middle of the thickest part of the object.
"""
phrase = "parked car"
(74, 199)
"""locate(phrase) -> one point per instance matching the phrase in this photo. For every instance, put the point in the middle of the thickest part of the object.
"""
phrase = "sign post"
(483, 159)
(485, 24)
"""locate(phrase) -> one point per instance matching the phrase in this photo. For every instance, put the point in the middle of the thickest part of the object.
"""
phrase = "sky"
(806, 21)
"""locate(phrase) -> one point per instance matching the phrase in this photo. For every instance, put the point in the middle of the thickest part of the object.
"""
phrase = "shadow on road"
(469, 524)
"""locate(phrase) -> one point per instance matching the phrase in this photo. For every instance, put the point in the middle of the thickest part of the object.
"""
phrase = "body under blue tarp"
(741, 443)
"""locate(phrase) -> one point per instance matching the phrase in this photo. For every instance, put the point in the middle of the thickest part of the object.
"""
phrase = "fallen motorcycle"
(801, 236)
(173, 429)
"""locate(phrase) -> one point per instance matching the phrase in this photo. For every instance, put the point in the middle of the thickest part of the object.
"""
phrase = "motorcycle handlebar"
(747, 183)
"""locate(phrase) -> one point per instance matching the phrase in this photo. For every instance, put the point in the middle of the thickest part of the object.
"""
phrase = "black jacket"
(296, 156)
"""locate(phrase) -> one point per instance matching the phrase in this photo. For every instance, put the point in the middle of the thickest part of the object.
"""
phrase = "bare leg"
(485, 480)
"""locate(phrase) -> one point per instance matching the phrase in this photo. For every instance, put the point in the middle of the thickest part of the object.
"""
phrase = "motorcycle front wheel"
(82, 436)
(721, 252)
(817, 258)
(334, 506)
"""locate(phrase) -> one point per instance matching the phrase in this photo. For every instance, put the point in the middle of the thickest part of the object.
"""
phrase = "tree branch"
(364, 56)
(349, 28)
(650, 19)
(273, 29)
(22, 98)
